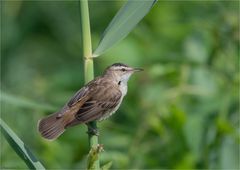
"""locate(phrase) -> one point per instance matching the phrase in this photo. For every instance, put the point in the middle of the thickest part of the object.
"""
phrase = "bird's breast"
(123, 89)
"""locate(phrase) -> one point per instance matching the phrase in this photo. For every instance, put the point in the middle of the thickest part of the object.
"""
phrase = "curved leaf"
(20, 148)
(23, 102)
(107, 166)
(123, 22)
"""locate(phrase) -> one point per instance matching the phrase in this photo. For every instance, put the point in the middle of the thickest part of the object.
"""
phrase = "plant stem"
(89, 75)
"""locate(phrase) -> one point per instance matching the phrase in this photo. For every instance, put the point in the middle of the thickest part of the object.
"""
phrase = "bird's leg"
(92, 130)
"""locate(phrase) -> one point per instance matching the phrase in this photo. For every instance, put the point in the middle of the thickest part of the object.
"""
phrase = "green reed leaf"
(19, 147)
(23, 102)
(107, 166)
(123, 22)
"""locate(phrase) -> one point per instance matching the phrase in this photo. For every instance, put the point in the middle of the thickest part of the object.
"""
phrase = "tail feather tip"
(51, 127)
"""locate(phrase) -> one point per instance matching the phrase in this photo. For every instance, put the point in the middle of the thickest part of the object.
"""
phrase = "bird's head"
(121, 72)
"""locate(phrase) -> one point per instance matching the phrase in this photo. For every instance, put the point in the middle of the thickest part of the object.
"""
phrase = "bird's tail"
(52, 126)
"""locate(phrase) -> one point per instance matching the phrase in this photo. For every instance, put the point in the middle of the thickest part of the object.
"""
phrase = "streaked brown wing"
(94, 110)
(103, 98)
(78, 96)
(83, 92)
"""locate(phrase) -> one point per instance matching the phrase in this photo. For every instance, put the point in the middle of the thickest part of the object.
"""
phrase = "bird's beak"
(137, 69)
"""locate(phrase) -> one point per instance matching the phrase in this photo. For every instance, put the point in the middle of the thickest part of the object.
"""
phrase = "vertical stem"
(88, 74)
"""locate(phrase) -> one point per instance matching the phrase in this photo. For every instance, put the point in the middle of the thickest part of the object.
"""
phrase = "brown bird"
(97, 100)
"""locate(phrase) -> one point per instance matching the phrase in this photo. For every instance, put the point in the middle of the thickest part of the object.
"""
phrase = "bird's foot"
(92, 131)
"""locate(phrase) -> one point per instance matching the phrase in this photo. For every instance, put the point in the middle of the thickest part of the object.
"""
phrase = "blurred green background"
(182, 112)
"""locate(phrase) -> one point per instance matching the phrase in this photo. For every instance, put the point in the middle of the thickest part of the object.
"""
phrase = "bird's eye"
(123, 69)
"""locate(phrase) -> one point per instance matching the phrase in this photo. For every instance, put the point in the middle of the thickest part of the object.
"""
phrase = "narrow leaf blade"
(20, 148)
(107, 166)
(123, 22)
(23, 102)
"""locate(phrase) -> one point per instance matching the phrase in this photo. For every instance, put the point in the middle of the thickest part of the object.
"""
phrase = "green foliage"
(22, 102)
(93, 156)
(182, 112)
(107, 166)
(20, 148)
(122, 23)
